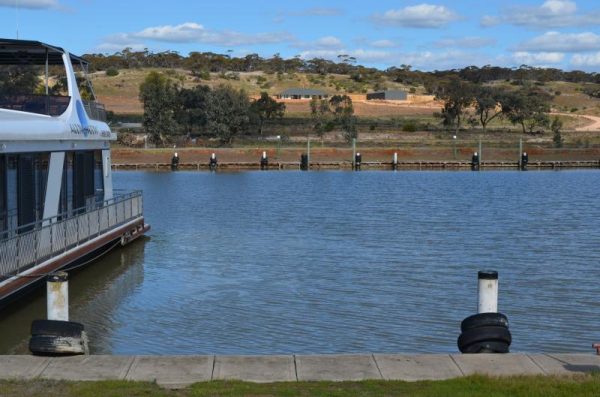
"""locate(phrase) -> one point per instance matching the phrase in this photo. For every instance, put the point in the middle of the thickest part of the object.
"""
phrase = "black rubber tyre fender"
(45, 345)
(487, 347)
(483, 334)
(484, 320)
(56, 328)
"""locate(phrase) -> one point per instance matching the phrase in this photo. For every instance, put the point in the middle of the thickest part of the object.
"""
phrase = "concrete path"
(180, 371)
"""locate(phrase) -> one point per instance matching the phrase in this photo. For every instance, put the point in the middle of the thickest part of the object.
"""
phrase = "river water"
(340, 262)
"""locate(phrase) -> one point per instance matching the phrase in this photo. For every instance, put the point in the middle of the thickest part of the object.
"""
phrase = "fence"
(32, 244)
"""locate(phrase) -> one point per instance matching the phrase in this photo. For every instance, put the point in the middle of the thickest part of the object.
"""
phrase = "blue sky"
(428, 35)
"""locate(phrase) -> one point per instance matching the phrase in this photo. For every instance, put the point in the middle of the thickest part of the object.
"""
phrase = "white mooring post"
(58, 296)
(264, 156)
(488, 291)
(395, 158)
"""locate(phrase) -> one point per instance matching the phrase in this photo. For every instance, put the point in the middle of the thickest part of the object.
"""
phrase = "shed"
(302, 93)
(389, 95)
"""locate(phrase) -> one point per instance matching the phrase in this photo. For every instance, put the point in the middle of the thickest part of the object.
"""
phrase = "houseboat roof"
(27, 52)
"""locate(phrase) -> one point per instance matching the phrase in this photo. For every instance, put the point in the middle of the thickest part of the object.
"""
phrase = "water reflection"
(95, 292)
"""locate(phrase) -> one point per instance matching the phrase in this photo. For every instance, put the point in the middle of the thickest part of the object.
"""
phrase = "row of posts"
(356, 159)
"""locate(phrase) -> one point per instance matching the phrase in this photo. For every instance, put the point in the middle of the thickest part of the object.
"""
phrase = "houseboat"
(58, 208)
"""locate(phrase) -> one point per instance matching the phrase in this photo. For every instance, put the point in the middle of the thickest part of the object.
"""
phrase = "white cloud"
(367, 56)
(30, 4)
(538, 58)
(418, 16)
(383, 44)
(586, 60)
(323, 43)
(191, 32)
(562, 42)
(465, 42)
(329, 41)
(551, 14)
(317, 12)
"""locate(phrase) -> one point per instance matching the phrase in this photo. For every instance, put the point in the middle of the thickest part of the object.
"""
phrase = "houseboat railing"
(42, 240)
(51, 105)
(95, 110)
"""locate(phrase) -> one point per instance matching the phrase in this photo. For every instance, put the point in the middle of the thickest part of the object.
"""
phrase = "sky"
(428, 35)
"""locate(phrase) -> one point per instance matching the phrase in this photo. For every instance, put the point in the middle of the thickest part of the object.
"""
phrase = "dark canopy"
(26, 52)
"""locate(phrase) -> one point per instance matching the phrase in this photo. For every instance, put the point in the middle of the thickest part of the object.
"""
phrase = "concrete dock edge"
(180, 371)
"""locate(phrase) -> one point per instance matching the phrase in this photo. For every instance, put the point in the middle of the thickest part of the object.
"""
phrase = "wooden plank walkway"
(180, 371)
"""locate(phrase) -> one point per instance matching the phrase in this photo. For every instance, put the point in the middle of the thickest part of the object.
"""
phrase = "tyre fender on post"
(483, 334)
(484, 320)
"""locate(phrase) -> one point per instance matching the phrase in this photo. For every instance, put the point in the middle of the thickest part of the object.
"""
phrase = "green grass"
(530, 386)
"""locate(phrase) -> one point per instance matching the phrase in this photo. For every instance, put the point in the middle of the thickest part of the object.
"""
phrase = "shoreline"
(365, 166)
(180, 371)
(373, 158)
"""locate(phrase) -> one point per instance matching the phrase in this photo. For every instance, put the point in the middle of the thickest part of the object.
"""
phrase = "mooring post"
(395, 161)
(520, 152)
(353, 153)
(308, 154)
(488, 291)
(57, 286)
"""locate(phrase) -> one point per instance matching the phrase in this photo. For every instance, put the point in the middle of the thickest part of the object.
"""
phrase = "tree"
(556, 127)
(16, 80)
(266, 108)
(457, 96)
(321, 116)
(227, 113)
(190, 108)
(527, 107)
(158, 95)
(487, 104)
(343, 112)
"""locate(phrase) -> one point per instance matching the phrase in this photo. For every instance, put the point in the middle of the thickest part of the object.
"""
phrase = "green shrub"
(111, 72)
(409, 126)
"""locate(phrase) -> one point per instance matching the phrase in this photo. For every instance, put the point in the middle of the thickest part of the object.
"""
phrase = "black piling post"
(264, 161)
(524, 161)
(213, 163)
(175, 162)
(357, 161)
(304, 162)
(475, 162)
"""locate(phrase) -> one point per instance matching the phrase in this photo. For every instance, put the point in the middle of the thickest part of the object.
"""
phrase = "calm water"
(328, 262)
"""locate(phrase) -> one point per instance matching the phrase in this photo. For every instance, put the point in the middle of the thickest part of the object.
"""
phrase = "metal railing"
(95, 110)
(37, 242)
(52, 105)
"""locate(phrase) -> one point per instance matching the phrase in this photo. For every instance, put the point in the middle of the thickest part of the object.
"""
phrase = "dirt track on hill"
(593, 126)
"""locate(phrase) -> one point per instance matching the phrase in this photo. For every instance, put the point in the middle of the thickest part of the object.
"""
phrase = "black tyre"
(483, 334)
(487, 347)
(56, 328)
(484, 320)
(44, 345)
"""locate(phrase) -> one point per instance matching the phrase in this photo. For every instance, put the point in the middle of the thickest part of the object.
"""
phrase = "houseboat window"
(3, 214)
(98, 176)
(65, 205)
(26, 187)
(11, 191)
(41, 161)
(83, 179)
(28, 88)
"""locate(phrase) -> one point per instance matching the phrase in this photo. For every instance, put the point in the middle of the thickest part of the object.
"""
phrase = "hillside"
(120, 93)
